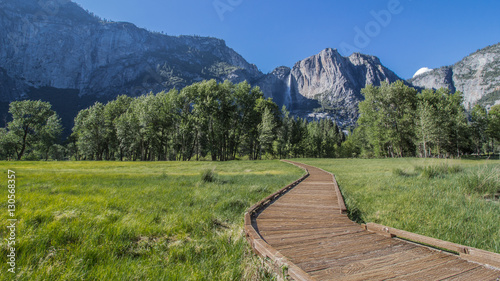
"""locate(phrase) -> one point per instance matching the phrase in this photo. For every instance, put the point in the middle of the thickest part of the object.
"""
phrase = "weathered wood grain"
(303, 229)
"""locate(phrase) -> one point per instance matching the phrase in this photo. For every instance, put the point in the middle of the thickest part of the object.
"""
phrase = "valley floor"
(164, 221)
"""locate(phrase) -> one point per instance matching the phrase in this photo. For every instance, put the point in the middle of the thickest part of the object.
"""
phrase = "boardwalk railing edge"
(468, 253)
(279, 262)
(343, 208)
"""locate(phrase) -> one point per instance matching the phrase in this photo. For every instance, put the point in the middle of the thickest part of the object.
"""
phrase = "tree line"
(207, 120)
(226, 121)
(397, 121)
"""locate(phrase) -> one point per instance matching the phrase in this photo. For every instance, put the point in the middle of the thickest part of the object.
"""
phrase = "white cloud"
(422, 71)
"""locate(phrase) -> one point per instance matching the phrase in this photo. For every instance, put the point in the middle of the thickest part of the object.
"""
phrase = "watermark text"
(373, 28)
(11, 221)
(224, 6)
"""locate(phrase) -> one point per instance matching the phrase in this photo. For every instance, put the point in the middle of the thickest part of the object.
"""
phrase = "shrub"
(431, 172)
(209, 175)
(399, 172)
(455, 169)
(435, 171)
(484, 180)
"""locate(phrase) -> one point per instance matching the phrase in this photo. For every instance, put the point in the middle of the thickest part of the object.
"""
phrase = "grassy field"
(136, 221)
(444, 199)
(181, 221)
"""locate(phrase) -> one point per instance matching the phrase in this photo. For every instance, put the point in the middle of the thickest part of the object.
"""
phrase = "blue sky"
(405, 34)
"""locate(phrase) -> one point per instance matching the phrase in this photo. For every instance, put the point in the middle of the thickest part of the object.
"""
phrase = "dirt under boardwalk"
(307, 227)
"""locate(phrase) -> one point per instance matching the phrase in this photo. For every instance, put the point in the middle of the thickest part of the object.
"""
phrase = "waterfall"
(288, 93)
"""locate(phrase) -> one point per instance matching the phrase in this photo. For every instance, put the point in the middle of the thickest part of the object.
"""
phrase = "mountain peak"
(330, 51)
(102, 58)
(326, 80)
(477, 76)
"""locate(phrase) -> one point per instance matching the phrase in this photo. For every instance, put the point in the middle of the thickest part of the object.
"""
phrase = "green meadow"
(452, 200)
(136, 221)
(184, 220)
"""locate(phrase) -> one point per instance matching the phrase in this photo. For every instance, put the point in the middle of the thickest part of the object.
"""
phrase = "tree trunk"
(23, 148)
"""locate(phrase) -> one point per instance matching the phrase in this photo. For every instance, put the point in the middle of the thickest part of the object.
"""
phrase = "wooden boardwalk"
(303, 229)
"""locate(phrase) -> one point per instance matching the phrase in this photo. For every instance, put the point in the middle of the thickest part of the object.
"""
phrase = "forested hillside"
(207, 120)
(397, 121)
(226, 121)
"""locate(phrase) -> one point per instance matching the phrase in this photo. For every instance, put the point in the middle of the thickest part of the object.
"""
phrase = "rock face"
(435, 79)
(326, 83)
(477, 76)
(275, 85)
(59, 45)
(55, 51)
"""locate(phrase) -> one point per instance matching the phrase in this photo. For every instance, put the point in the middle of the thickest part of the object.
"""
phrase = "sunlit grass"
(445, 199)
(137, 221)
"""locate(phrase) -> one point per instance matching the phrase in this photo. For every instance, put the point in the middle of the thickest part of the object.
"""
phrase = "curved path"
(303, 230)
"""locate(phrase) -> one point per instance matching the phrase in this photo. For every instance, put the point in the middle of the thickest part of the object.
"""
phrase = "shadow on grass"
(481, 157)
(353, 212)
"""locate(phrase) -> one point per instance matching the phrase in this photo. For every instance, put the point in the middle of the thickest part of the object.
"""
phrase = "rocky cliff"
(55, 51)
(59, 45)
(327, 84)
(477, 76)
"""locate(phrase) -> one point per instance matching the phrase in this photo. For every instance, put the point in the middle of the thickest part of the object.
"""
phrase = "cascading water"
(288, 94)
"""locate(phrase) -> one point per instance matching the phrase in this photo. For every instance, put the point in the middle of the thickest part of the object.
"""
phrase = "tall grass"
(444, 199)
(209, 175)
(137, 221)
(483, 180)
(440, 170)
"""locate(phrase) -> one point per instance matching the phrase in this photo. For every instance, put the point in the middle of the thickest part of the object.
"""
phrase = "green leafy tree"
(388, 118)
(298, 134)
(49, 135)
(34, 124)
(266, 130)
(494, 125)
(314, 140)
(284, 134)
(331, 138)
(354, 144)
(128, 134)
(91, 132)
(428, 120)
(112, 111)
(7, 144)
(185, 124)
(479, 125)
(246, 119)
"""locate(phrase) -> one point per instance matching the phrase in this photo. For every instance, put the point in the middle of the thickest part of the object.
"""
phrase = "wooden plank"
(301, 227)
(478, 273)
(280, 261)
(341, 203)
(281, 243)
(335, 228)
(277, 239)
(337, 250)
(468, 253)
(415, 237)
(379, 273)
(316, 220)
(481, 256)
(365, 262)
(331, 240)
(442, 270)
(271, 214)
